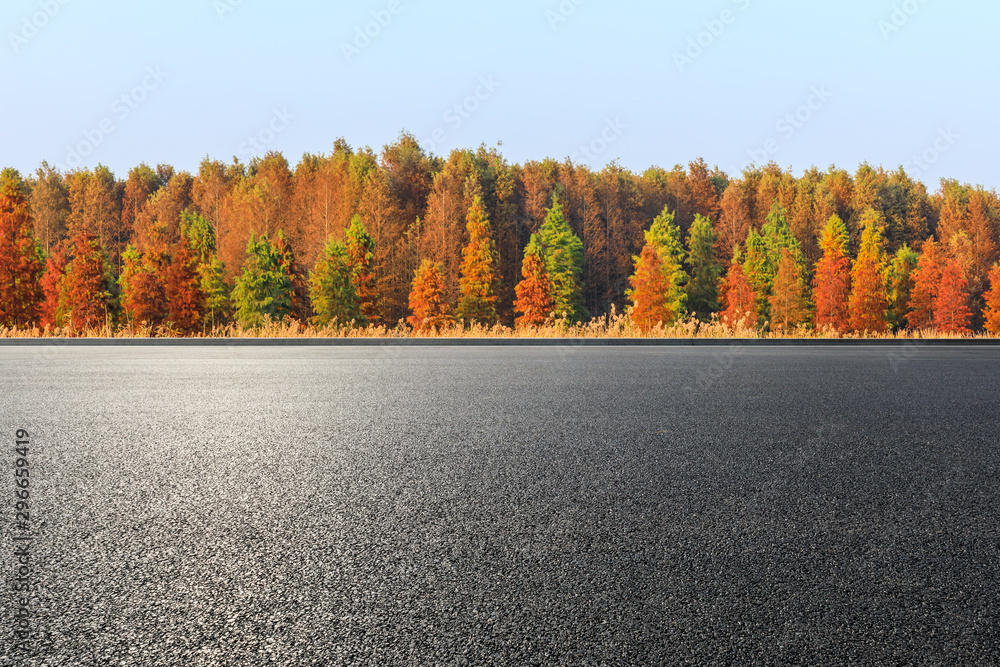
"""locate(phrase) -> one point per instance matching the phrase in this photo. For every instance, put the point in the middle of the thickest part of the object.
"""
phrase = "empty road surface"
(485, 505)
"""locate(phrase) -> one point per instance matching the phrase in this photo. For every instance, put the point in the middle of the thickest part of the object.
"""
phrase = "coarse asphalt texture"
(492, 505)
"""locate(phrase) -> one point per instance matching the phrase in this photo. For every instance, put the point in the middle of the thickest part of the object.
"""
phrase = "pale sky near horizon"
(645, 83)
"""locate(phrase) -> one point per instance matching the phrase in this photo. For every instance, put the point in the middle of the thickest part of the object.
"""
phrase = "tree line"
(354, 238)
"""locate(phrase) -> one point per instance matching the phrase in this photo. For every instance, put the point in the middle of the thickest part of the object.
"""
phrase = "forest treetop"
(415, 205)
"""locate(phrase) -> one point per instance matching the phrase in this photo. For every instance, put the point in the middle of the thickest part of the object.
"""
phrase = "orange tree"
(992, 311)
(478, 282)
(649, 293)
(926, 283)
(832, 279)
(739, 300)
(869, 295)
(951, 308)
(428, 302)
(534, 299)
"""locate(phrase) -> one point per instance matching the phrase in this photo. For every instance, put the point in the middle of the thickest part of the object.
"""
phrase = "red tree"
(20, 260)
(738, 298)
(926, 283)
(86, 287)
(52, 314)
(183, 290)
(868, 299)
(992, 311)
(832, 280)
(143, 292)
(951, 308)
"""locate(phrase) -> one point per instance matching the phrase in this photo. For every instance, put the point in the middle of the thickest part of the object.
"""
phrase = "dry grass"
(609, 326)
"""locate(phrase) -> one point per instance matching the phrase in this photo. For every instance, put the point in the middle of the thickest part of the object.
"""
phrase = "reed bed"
(614, 325)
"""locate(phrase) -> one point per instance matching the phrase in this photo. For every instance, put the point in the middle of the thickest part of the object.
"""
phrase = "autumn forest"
(413, 242)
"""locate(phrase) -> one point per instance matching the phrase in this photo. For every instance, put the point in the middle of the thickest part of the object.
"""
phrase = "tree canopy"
(237, 242)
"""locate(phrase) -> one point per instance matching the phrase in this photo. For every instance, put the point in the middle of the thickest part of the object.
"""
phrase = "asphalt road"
(287, 506)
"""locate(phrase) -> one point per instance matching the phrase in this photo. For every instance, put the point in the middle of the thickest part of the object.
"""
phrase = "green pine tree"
(290, 266)
(664, 237)
(334, 297)
(764, 252)
(218, 303)
(778, 236)
(706, 270)
(563, 253)
(200, 235)
(199, 232)
(759, 271)
(361, 253)
(901, 285)
(265, 289)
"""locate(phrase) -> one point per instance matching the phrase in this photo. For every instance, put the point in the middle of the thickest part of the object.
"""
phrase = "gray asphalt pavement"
(568, 505)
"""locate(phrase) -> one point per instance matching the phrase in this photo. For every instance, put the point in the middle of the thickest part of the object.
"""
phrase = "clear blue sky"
(558, 73)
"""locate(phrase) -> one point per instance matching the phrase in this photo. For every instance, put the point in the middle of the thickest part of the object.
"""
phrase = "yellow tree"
(869, 296)
(478, 282)
(49, 206)
(832, 279)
